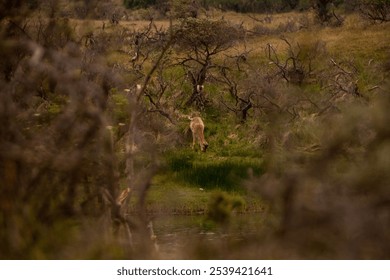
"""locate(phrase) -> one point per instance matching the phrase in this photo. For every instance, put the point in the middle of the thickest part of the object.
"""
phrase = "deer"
(197, 129)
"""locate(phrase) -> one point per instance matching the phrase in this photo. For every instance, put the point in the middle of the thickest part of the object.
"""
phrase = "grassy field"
(188, 179)
(296, 117)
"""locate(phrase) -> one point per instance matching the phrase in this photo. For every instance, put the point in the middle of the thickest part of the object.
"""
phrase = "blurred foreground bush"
(59, 171)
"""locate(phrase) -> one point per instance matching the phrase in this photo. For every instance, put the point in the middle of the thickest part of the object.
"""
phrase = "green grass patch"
(211, 172)
(190, 179)
(166, 196)
(169, 196)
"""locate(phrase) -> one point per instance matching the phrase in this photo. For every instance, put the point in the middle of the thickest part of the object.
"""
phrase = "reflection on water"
(175, 232)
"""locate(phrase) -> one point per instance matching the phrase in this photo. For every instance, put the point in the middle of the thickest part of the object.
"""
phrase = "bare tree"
(323, 9)
(243, 99)
(200, 40)
(298, 65)
(375, 11)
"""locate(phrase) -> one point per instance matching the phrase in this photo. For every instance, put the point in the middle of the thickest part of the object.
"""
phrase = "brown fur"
(197, 128)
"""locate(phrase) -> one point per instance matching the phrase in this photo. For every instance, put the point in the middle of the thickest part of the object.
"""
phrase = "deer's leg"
(193, 140)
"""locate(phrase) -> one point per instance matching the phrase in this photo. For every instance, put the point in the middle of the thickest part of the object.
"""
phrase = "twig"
(374, 88)
(339, 67)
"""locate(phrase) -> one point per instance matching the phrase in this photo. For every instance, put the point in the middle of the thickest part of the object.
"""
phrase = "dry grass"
(355, 39)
